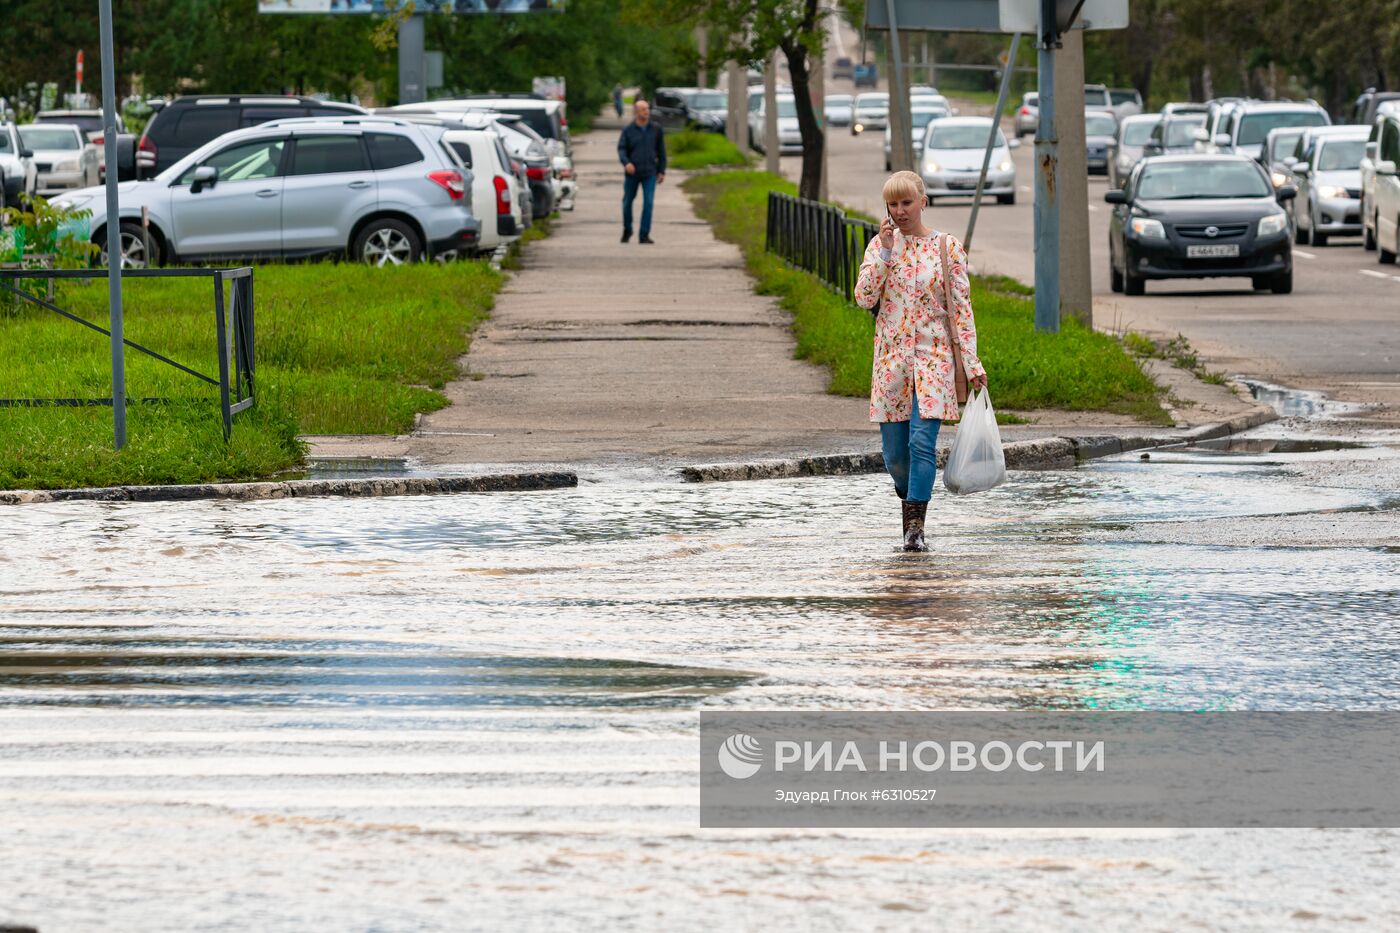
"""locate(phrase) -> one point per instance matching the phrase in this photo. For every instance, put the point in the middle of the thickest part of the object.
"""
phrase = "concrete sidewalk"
(600, 352)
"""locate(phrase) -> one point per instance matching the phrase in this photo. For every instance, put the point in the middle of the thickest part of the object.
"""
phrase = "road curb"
(1046, 453)
(302, 488)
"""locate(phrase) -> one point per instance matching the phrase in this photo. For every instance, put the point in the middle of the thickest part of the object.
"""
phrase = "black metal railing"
(233, 332)
(819, 239)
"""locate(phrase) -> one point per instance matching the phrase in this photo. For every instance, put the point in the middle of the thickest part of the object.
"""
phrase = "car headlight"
(930, 166)
(1279, 179)
(858, 128)
(1331, 191)
(71, 165)
(1149, 228)
(1005, 166)
(1272, 224)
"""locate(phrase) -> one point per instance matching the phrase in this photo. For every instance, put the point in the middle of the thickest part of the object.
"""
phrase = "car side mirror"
(1200, 135)
(26, 153)
(1287, 192)
(1222, 139)
(1301, 168)
(1289, 162)
(954, 111)
(1013, 143)
(1371, 151)
(204, 177)
(1116, 196)
(1386, 167)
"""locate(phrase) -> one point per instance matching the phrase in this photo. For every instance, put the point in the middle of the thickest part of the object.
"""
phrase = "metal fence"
(233, 331)
(819, 239)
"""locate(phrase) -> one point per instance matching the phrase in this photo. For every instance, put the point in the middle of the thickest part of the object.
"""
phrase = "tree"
(748, 31)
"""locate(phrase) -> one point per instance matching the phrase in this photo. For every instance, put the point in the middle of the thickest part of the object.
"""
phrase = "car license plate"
(1213, 252)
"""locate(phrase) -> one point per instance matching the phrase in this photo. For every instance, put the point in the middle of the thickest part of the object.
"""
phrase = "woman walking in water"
(914, 280)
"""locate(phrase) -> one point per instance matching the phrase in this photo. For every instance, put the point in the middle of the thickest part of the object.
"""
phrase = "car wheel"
(1006, 198)
(1368, 238)
(1115, 278)
(887, 165)
(387, 243)
(1319, 238)
(1261, 282)
(1300, 236)
(1282, 284)
(1386, 256)
(135, 251)
(1133, 284)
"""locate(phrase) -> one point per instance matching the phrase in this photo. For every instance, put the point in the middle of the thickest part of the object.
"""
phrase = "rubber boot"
(914, 513)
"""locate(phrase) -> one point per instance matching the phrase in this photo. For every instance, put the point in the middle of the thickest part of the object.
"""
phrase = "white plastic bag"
(976, 463)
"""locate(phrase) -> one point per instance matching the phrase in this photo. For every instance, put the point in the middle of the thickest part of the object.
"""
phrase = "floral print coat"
(911, 343)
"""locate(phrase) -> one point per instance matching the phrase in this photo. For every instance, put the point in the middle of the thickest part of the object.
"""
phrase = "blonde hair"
(902, 185)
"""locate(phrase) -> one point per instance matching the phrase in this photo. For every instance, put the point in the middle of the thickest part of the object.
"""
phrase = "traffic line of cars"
(1225, 188)
(267, 177)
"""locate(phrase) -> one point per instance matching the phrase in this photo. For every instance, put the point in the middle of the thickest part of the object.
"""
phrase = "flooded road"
(479, 711)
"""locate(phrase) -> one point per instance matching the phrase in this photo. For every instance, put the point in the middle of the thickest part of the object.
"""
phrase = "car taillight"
(566, 173)
(502, 195)
(1025, 111)
(537, 173)
(451, 182)
(98, 139)
(146, 152)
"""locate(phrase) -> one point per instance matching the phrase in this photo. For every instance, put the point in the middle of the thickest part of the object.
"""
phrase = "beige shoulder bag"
(959, 376)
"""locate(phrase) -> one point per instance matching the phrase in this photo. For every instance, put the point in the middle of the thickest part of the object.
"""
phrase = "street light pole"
(114, 226)
(1047, 205)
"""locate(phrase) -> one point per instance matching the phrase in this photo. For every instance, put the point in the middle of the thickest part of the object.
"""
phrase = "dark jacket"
(644, 147)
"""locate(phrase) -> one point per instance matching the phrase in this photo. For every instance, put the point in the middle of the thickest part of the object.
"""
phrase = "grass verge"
(1077, 369)
(693, 149)
(340, 349)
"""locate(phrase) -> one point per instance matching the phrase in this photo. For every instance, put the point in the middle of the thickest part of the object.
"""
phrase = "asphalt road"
(1339, 331)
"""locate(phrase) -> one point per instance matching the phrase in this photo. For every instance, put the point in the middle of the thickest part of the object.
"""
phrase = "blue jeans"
(629, 193)
(909, 448)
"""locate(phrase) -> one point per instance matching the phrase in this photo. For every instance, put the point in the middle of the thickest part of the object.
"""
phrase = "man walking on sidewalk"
(642, 151)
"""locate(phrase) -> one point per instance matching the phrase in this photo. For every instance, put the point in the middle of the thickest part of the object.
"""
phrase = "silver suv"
(385, 191)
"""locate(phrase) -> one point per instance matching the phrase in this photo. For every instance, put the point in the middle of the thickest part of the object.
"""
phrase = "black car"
(1199, 216)
(186, 123)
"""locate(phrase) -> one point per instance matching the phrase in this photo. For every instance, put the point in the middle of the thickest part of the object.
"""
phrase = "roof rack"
(507, 95)
(350, 119)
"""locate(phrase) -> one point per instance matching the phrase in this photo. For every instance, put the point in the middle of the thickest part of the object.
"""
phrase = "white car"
(789, 135)
(951, 162)
(63, 157)
(919, 120)
(1384, 203)
(492, 182)
(18, 175)
(872, 112)
(1328, 180)
(840, 108)
(1368, 173)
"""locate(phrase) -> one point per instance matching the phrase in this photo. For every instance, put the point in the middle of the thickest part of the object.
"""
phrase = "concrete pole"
(702, 74)
(412, 70)
(735, 126)
(1047, 205)
(1076, 286)
(770, 114)
(901, 147)
(818, 91)
(114, 227)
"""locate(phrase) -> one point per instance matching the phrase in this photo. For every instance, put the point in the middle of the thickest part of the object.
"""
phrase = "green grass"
(693, 149)
(1076, 369)
(1177, 351)
(340, 349)
(538, 230)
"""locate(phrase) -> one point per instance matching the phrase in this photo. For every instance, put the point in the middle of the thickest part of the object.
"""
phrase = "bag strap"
(959, 374)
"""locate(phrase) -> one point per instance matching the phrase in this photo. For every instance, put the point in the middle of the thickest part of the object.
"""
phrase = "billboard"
(420, 6)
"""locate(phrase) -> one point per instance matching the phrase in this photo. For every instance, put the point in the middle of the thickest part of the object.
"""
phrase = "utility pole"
(770, 114)
(1047, 204)
(412, 72)
(818, 91)
(702, 76)
(734, 126)
(114, 227)
(1076, 287)
(901, 144)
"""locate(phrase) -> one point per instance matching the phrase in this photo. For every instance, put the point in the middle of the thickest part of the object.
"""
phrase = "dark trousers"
(630, 184)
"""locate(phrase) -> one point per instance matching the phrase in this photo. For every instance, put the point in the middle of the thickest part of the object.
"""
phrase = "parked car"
(1243, 127)
(1183, 106)
(927, 101)
(1096, 97)
(1134, 133)
(866, 75)
(923, 90)
(919, 120)
(1367, 106)
(789, 135)
(1198, 216)
(840, 108)
(1369, 158)
(1175, 134)
(1383, 204)
(383, 191)
(668, 107)
(1126, 102)
(708, 109)
(188, 123)
(1217, 109)
(18, 173)
(546, 117)
(63, 156)
(1100, 132)
(872, 112)
(90, 122)
(492, 182)
(551, 175)
(1028, 114)
(1327, 175)
(1278, 153)
(843, 67)
(951, 161)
